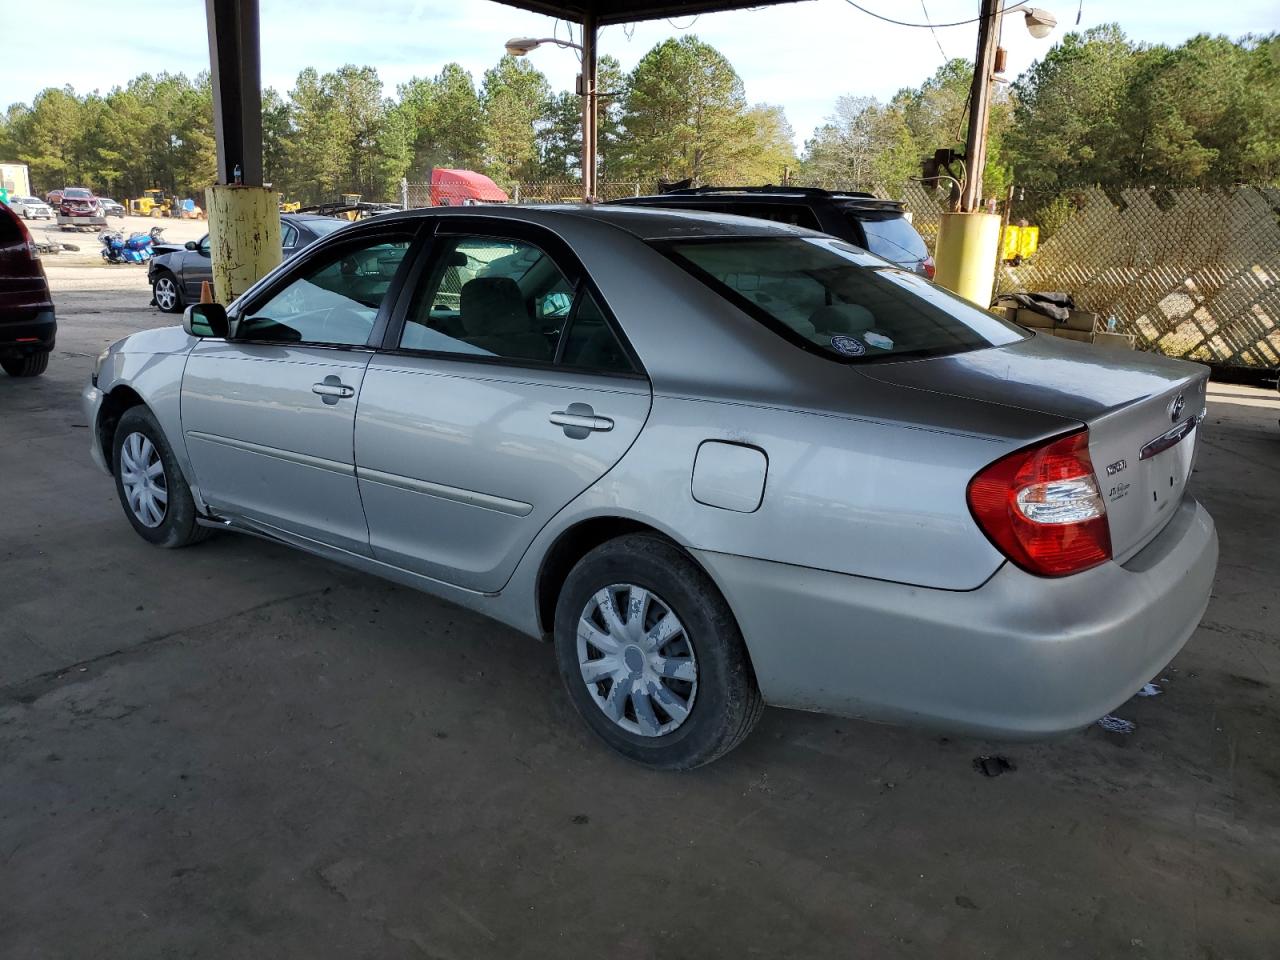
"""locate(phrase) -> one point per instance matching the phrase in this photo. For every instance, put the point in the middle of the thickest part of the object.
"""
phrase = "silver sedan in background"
(719, 462)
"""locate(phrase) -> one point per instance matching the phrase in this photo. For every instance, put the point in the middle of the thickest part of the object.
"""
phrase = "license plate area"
(1164, 474)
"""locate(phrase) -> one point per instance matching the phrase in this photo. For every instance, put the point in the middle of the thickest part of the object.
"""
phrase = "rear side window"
(893, 238)
(831, 298)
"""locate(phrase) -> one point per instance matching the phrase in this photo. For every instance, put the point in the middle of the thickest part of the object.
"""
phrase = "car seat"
(495, 319)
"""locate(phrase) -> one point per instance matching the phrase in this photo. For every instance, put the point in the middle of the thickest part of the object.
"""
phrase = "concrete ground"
(238, 751)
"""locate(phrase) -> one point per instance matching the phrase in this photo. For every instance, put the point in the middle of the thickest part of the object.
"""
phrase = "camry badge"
(1175, 408)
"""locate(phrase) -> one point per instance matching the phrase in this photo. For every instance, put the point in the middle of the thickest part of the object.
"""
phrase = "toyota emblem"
(1175, 408)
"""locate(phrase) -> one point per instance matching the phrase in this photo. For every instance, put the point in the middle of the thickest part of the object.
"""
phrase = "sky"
(799, 55)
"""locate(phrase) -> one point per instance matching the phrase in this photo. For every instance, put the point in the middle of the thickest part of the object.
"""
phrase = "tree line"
(1097, 109)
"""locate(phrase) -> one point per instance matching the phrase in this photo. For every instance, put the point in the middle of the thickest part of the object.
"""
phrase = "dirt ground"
(239, 751)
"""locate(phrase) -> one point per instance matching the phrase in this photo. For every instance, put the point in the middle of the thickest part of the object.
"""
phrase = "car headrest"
(842, 318)
(491, 306)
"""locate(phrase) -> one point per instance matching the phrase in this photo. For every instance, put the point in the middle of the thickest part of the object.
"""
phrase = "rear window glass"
(323, 226)
(893, 238)
(832, 298)
(76, 194)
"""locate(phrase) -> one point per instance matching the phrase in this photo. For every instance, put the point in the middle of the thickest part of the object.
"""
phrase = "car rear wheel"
(167, 295)
(652, 656)
(149, 482)
(28, 365)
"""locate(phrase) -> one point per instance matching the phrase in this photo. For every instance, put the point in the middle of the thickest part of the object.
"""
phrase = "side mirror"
(205, 320)
(191, 245)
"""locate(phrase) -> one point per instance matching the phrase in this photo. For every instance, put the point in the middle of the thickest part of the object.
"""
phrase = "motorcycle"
(116, 249)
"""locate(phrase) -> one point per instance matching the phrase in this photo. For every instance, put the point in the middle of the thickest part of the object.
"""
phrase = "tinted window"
(491, 297)
(288, 235)
(591, 344)
(334, 301)
(893, 238)
(204, 245)
(323, 226)
(75, 193)
(832, 297)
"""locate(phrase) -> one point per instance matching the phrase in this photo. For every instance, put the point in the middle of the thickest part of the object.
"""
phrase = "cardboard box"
(1082, 320)
(1029, 318)
(1114, 341)
(1079, 335)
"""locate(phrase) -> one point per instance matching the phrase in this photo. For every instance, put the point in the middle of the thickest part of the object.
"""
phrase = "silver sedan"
(718, 462)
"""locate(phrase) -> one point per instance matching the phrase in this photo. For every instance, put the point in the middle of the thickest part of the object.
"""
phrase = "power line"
(934, 32)
(929, 26)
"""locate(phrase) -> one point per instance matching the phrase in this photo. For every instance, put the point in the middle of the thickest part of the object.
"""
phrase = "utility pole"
(975, 152)
(587, 80)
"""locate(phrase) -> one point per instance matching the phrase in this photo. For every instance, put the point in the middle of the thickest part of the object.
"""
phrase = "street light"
(520, 46)
(1040, 23)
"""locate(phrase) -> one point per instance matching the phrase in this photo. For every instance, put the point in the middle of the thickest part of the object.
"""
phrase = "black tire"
(28, 365)
(175, 305)
(727, 704)
(178, 527)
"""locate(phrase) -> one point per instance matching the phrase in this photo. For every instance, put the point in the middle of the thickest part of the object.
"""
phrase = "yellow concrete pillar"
(244, 237)
(968, 244)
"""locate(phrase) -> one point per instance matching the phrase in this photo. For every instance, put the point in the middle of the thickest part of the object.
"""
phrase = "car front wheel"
(652, 656)
(149, 482)
(167, 296)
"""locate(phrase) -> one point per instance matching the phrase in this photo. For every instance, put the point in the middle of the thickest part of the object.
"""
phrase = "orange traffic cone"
(206, 291)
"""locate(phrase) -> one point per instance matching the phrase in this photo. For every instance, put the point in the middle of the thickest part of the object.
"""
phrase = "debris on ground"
(994, 765)
(1150, 690)
(1117, 725)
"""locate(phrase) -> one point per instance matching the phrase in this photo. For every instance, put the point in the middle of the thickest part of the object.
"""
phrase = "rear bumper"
(28, 330)
(1020, 657)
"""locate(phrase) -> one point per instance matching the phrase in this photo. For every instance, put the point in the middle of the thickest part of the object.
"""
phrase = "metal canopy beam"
(628, 11)
(236, 69)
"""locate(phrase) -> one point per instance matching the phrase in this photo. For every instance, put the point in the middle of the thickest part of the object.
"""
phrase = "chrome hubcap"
(165, 293)
(142, 476)
(636, 660)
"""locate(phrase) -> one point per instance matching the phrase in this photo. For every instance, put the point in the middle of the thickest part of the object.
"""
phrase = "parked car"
(28, 327)
(110, 208)
(78, 202)
(54, 198)
(721, 462)
(176, 273)
(31, 208)
(880, 226)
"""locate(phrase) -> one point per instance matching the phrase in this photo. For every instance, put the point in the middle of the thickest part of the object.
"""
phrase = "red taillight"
(1042, 507)
(929, 269)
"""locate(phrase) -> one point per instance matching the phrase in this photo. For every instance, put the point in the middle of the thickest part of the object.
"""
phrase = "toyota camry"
(718, 462)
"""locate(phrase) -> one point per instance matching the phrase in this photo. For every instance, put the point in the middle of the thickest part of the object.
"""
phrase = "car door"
(197, 267)
(504, 390)
(268, 414)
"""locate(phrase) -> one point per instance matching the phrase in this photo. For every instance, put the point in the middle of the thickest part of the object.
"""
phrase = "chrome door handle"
(562, 419)
(578, 420)
(331, 390)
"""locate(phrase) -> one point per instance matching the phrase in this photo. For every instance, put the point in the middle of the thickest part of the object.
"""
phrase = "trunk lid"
(1142, 412)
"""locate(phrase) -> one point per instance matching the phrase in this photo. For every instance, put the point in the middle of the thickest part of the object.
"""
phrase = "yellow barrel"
(968, 244)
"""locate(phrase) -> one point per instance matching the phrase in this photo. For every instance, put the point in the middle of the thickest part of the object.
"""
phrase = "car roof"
(645, 223)
(779, 195)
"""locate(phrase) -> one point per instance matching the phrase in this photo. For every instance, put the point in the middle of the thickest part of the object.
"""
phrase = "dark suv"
(879, 226)
(27, 325)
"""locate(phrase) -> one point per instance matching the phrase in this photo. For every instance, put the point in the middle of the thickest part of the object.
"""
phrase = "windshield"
(323, 226)
(892, 237)
(834, 299)
(76, 193)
